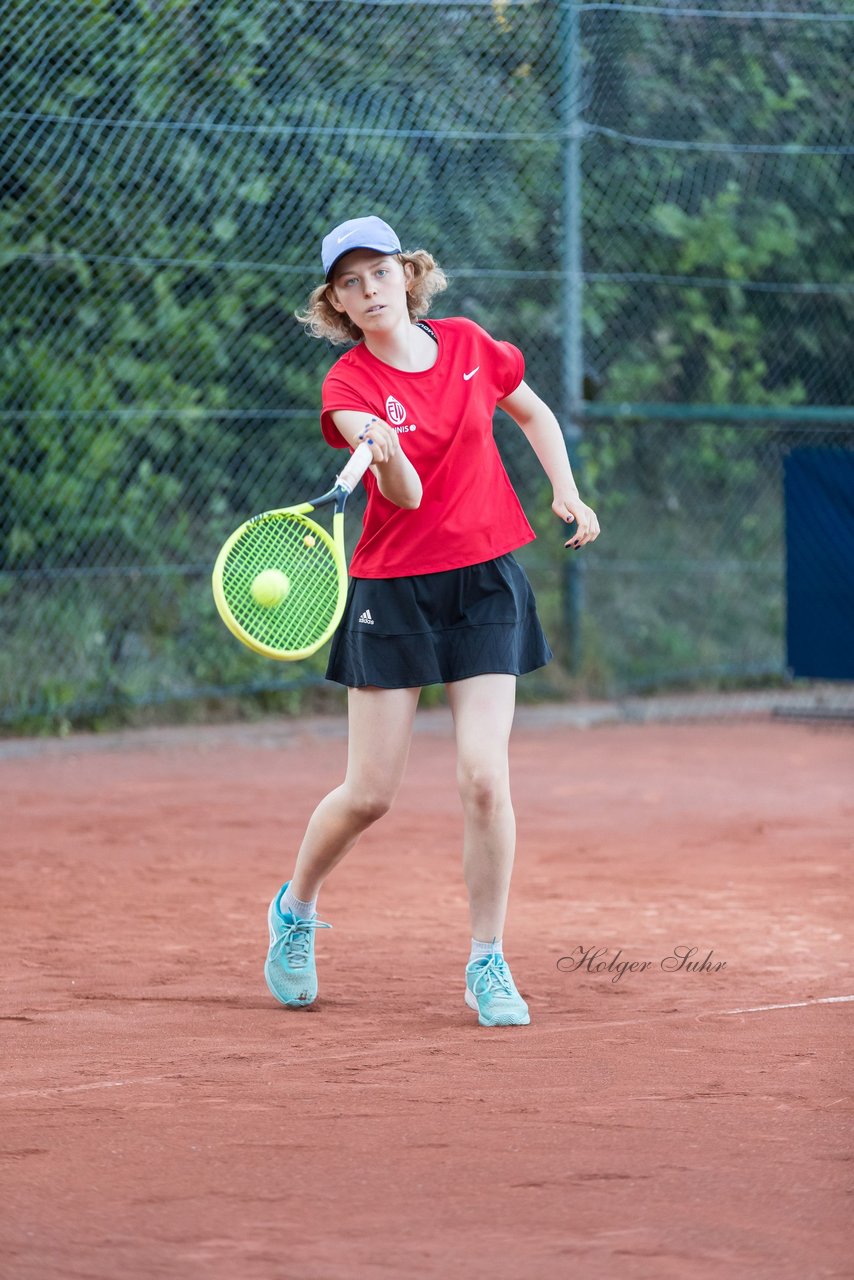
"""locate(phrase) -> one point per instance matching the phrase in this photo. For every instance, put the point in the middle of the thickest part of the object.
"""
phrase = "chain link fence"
(653, 202)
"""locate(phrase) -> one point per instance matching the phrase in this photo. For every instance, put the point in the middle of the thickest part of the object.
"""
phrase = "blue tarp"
(819, 502)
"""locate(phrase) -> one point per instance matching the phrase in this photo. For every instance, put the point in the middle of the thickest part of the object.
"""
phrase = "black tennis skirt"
(435, 628)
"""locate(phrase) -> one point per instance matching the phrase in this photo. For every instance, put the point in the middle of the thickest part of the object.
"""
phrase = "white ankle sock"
(481, 949)
(289, 902)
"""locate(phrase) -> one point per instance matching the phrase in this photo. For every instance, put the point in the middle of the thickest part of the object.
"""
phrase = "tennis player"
(435, 595)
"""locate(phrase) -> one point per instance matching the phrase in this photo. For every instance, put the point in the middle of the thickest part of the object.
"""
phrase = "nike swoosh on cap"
(341, 239)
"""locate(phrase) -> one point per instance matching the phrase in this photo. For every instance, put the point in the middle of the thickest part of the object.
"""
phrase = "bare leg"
(380, 729)
(483, 716)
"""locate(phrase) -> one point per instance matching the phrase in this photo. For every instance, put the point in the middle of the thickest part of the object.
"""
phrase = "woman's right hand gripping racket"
(280, 580)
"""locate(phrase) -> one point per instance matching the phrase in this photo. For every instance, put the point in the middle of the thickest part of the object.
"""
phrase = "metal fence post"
(571, 310)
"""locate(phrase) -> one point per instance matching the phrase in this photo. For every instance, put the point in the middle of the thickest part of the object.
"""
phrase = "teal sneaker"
(491, 991)
(289, 968)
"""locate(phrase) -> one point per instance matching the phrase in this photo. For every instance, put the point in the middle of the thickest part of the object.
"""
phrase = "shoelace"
(494, 978)
(296, 940)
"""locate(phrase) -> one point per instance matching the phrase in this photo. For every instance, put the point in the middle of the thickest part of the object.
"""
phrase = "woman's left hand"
(570, 507)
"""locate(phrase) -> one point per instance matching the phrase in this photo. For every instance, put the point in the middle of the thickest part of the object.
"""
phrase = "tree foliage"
(170, 167)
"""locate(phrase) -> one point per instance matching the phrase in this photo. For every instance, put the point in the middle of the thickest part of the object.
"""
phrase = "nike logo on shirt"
(466, 376)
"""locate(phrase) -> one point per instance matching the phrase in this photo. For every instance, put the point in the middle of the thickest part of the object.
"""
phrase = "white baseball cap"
(357, 233)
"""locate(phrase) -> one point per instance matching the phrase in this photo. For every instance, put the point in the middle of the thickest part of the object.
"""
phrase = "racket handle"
(355, 468)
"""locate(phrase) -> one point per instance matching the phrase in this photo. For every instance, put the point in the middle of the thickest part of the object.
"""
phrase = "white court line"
(799, 1004)
(83, 1088)
(409, 1045)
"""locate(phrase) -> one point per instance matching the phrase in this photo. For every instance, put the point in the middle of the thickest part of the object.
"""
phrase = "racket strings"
(300, 549)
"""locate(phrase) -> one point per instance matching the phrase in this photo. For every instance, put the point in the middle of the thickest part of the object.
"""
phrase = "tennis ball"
(309, 539)
(270, 588)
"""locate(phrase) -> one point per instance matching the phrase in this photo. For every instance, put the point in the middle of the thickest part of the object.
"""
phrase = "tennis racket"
(280, 580)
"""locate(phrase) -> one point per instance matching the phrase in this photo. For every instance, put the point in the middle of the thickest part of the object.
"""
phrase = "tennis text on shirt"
(469, 511)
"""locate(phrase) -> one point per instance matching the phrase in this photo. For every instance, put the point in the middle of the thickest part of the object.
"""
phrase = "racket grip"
(355, 468)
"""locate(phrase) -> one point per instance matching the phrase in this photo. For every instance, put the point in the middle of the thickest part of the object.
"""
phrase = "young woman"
(435, 594)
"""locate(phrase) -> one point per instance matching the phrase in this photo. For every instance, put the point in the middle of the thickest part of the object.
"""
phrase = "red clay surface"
(163, 1117)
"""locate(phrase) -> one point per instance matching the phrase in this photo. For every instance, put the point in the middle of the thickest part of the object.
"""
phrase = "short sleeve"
(508, 366)
(339, 393)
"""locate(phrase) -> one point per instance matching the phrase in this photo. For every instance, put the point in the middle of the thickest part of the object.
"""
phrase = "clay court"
(163, 1117)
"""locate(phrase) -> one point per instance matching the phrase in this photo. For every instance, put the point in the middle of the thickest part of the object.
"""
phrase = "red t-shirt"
(469, 511)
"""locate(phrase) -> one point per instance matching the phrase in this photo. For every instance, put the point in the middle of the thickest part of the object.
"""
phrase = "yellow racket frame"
(351, 474)
(335, 543)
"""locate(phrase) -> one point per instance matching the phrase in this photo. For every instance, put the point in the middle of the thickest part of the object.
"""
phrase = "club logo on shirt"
(395, 412)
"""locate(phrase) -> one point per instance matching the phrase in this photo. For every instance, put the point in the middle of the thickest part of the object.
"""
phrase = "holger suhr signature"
(595, 960)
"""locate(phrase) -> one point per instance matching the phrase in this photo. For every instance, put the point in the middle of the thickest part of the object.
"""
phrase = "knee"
(367, 807)
(483, 788)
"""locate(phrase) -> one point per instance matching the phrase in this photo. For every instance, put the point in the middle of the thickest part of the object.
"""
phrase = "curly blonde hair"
(321, 319)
